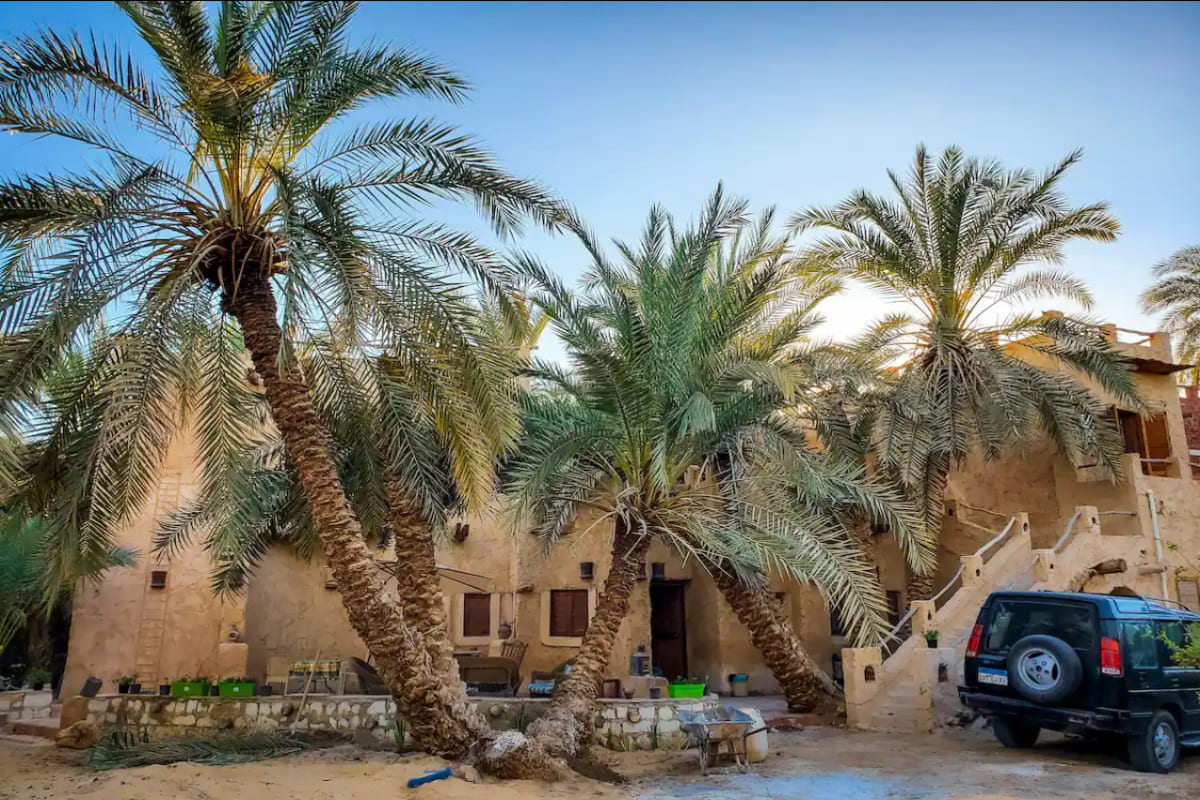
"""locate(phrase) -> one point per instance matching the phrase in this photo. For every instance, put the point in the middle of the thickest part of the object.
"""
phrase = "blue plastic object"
(429, 777)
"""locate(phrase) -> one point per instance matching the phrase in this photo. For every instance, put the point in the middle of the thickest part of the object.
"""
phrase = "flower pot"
(188, 688)
(628, 693)
(264, 690)
(123, 688)
(655, 692)
(686, 690)
(135, 688)
(212, 690)
(931, 642)
(232, 689)
(37, 685)
(164, 689)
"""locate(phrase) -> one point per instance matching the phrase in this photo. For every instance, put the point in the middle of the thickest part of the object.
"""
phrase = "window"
(1189, 593)
(1173, 635)
(1148, 437)
(1141, 645)
(1013, 620)
(477, 615)
(568, 612)
(158, 579)
(893, 605)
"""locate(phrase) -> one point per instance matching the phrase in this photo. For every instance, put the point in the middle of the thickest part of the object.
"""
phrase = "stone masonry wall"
(370, 719)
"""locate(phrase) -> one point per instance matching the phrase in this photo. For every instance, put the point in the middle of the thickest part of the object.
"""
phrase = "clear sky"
(617, 106)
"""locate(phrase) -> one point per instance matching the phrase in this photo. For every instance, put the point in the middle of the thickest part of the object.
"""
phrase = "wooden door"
(668, 628)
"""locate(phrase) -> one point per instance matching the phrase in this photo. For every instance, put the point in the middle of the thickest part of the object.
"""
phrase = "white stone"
(184, 720)
(300, 725)
(317, 707)
(378, 707)
(669, 726)
(191, 707)
(343, 709)
(666, 712)
(251, 710)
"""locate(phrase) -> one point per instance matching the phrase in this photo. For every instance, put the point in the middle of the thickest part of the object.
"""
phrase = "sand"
(815, 764)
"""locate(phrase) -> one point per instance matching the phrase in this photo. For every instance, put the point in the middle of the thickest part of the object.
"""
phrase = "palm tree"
(956, 244)
(1176, 294)
(677, 422)
(241, 190)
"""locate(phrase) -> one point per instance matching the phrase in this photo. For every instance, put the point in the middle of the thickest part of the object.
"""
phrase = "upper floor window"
(1149, 437)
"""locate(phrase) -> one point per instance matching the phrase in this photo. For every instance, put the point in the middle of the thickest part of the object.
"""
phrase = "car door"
(1183, 681)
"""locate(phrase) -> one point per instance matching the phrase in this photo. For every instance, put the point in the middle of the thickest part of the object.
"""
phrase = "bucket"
(756, 743)
(740, 684)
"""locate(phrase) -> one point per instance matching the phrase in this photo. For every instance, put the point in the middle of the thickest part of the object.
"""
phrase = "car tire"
(1158, 749)
(1044, 669)
(1015, 734)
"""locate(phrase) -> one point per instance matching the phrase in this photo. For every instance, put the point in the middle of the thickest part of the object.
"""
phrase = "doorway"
(668, 628)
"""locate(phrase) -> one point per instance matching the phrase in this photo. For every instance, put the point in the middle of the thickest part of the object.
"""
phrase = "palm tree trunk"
(440, 716)
(563, 730)
(419, 583)
(803, 683)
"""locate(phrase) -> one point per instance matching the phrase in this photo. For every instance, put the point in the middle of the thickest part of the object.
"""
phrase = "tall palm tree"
(1175, 293)
(677, 422)
(957, 244)
(240, 189)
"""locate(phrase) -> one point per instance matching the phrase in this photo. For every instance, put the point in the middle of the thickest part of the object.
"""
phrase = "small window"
(1141, 645)
(158, 579)
(477, 615)
(1189, 593)
(568, 612)
(1148, 437)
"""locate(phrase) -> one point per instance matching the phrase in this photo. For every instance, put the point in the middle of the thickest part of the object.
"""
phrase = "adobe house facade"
(159, 620)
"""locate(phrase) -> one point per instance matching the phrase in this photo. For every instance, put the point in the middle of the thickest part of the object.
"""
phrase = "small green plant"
(654, 736)
(931, 636)
(127, 680)
(608, 739)
(37, 677)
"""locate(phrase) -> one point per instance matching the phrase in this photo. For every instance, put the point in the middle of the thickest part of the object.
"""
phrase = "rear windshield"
(1013, 620)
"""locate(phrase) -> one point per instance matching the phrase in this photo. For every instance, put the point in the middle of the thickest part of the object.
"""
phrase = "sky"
(619, 106)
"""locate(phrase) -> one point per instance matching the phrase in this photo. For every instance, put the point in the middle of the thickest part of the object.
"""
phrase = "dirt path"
(817, 764)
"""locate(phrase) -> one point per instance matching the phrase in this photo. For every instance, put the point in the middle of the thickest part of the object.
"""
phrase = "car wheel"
(1015, 734)
(1044, 669)
(1156, 750)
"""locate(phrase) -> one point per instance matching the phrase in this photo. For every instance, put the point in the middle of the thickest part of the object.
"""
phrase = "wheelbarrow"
(719, 726)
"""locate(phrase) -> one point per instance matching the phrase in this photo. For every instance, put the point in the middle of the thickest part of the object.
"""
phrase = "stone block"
(378, 707)
(669, 726)
(665, 713)
(73, 710)
(191, 707)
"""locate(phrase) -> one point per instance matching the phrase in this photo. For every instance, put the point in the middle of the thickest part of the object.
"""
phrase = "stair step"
(47, 727)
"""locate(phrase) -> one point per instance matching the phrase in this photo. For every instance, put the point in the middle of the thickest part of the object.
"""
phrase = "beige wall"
(122, 627)
(289, 614)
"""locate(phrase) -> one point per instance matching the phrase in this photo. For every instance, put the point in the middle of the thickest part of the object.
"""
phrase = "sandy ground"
(817, 764)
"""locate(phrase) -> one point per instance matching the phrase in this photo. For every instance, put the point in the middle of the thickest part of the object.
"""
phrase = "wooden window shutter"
(1158, 442)
(568, 612)
(477, 615)
(1189, 593)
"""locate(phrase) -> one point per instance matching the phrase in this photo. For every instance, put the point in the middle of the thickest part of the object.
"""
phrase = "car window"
(1173, 635)
(1013, 620)
(1141, 645)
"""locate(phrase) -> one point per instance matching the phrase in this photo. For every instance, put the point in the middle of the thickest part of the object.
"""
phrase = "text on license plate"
(996, 677)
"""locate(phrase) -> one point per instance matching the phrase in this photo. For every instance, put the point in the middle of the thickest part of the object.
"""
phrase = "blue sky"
(617, 106)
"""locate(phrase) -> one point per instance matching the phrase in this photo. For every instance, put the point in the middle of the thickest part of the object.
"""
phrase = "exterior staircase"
(916, 686)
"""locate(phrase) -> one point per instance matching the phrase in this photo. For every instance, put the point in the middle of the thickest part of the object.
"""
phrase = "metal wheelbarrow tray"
(715, 727)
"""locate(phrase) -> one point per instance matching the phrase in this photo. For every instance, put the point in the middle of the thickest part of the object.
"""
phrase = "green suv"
(1100, 665)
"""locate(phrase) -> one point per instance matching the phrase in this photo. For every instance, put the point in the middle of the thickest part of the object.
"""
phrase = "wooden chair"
(513, 650)
(490, 675)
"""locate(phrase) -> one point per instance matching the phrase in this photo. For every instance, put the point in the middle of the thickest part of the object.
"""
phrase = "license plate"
(996, 677)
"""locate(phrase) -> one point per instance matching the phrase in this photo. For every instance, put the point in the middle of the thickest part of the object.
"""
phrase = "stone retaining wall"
(371, 719)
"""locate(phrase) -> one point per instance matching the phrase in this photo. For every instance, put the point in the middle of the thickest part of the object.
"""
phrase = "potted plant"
(686, 687)
(190, 687)
(931, 637)
(263, 690)
(38, 678)
(237, 687)
(127, 684)
(164, 689)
